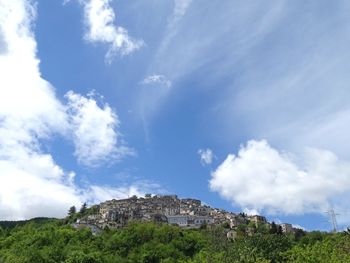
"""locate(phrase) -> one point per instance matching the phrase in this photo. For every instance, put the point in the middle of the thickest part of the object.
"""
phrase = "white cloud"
(139, 188)
(151, 100)
(174, 20)
(99, 19)
(94, 145)
(31, 183)
(160, 79)
(180, 9)
(251, 212)
(154, 88)
(223, 41)
(299, 227)
(262, 178)
(206, 156)
(99, 193)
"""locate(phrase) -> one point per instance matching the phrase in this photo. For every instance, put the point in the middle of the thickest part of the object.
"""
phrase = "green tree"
(241, 230)
(72, 210)
(261, 247)
(279, 230)
(83, 209)
(273, 228)
(330, 249)
(54, 241)
(298, 234)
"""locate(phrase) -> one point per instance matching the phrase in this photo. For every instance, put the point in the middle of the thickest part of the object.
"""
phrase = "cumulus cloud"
(139, 188)
(251, 212)
(299, 227)
(99, 19)
(262, 178)
(93, 146)
(206, 156)
(31, 183)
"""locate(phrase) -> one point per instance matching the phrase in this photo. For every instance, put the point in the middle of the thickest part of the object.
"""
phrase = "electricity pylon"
(333, 218)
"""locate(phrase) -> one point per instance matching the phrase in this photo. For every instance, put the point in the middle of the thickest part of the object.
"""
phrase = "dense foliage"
(52, 241)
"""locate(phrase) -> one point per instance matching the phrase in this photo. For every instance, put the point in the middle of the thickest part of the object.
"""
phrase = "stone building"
(167, 209)
(257, 219)
(189, 220)
(287, 228)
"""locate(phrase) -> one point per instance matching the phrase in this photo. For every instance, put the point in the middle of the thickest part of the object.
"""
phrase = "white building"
(201, 220)
(191, 221)
(180, 220)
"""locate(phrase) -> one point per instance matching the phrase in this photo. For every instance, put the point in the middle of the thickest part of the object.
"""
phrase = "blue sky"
(243, 105)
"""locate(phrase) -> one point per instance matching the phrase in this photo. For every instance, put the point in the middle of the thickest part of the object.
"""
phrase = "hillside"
(12, 224)
(43, 240)
(170, 209)
(55, 241)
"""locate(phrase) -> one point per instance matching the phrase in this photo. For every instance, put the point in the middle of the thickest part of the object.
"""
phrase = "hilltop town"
(186, 213)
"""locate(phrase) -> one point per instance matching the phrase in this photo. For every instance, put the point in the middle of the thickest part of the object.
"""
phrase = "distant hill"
(12, 224)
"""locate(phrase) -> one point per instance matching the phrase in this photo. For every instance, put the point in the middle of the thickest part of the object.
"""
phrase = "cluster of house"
(169, 209)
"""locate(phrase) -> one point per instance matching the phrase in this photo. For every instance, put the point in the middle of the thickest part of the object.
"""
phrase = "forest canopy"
(49, 241)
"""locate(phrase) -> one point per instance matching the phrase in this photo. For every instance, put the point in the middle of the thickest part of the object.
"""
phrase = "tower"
(333, 218)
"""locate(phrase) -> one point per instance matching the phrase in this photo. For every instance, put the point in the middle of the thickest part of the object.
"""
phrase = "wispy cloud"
(290, 87)
(264, 179)
(180, 9)
(157, 79)
(99, 20)
(151, 101)
(276, 70)
(154, 88)
(172, 29)
(213, 47)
